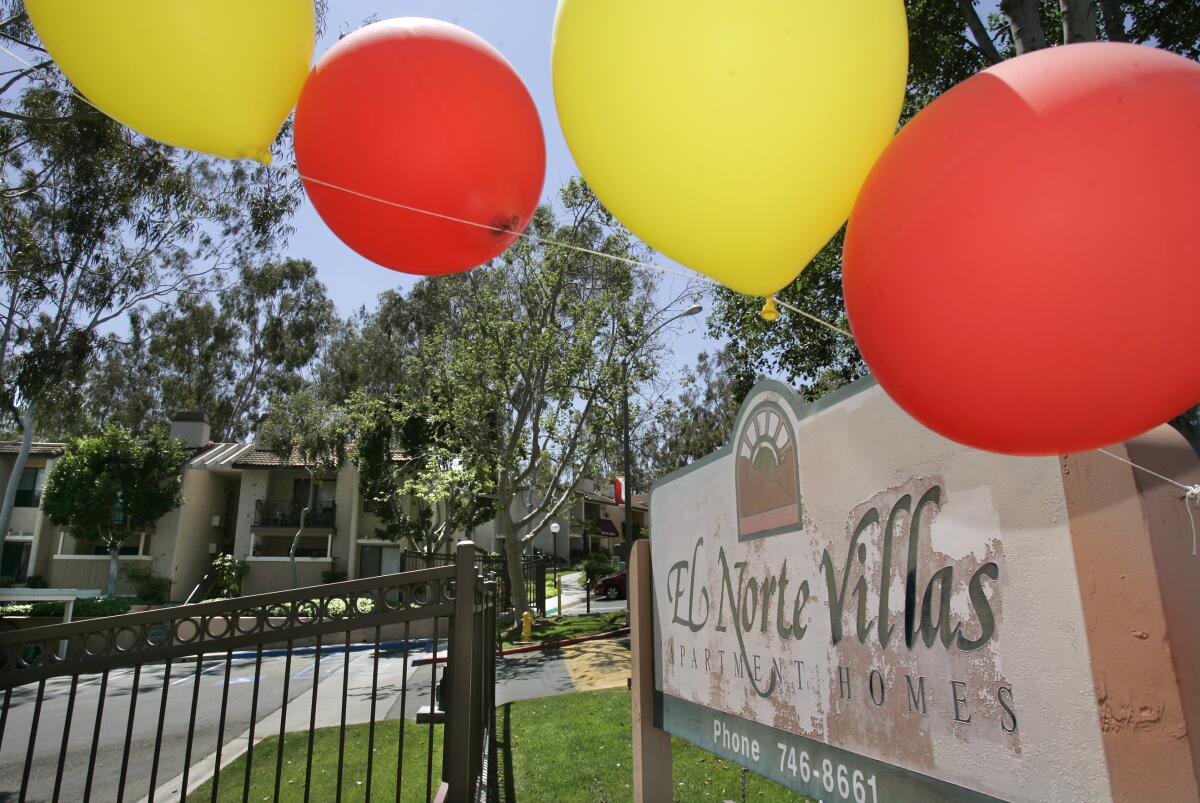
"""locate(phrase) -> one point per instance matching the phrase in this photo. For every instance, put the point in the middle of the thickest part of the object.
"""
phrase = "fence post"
(540, 575)
(457, 755)
(651, 746)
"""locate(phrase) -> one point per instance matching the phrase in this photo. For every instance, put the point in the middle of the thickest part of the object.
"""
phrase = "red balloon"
(425, 115)
(1021, 266)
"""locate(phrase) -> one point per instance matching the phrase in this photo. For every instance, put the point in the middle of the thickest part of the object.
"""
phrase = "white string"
(1191, 493)
(506, 230)
(812, 317)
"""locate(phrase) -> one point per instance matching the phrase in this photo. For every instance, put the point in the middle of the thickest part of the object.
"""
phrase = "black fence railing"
(286, 513)
(195, 702)
(494, 566)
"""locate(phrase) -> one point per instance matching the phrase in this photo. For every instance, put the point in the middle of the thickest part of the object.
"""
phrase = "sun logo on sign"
(767, 474)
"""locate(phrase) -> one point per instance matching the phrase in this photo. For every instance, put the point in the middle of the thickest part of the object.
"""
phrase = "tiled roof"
(592, 496)
(255, 457)
(38, 449)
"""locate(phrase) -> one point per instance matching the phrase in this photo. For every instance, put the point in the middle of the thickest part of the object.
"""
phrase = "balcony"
(286, 513)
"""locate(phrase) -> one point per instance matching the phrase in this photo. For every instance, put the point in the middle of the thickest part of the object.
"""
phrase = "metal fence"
(494, 566)
(193, 702)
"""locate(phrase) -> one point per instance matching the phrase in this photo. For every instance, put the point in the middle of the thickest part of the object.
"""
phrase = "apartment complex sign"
(861, 610)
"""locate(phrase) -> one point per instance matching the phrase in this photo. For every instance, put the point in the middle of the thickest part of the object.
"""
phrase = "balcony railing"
(286, 513)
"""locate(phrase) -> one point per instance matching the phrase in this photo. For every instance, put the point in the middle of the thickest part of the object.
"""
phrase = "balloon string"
(505, 230)
(811, 317)
(1191, 493)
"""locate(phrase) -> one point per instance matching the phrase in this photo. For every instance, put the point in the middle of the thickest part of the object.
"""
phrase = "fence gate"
(306, 694)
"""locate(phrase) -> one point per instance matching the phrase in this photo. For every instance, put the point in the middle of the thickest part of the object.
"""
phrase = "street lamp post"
(695, 309)
(557, 585)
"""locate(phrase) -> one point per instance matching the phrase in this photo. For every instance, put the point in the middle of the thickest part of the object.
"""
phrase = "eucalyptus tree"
(528, 361)
(97, 222)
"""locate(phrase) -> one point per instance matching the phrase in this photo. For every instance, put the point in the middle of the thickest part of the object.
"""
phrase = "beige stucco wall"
(191, 529)
(863, 452)
(90, 573)
(276, 575)
(253, 488)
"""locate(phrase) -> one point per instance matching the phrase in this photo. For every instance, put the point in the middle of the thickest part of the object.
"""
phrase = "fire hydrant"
(527, 626)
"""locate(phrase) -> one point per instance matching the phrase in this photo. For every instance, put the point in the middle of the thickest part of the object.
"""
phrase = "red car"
(611, 587)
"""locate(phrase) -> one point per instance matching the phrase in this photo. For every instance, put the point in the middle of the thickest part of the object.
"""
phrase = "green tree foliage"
(420, 489)
(113, 486)
(303, 430)
(97, 222)
(528, 361)
(225, 352)
(700, 420)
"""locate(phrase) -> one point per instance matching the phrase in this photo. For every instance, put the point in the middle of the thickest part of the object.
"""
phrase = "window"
(378, 560)
(136, 546)
(14, 562)
(29, 489)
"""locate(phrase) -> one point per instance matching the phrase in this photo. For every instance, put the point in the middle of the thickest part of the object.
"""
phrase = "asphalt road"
(519, 677)
(114, 719)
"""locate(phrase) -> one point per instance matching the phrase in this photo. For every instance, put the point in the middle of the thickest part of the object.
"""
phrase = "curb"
(552, 645)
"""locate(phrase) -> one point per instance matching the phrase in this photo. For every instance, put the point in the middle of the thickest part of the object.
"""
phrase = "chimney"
(191, 427)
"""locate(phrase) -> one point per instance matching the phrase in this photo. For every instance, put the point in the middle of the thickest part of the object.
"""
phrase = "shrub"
(95, 606)
(227, 576)
(596, 566)
(149, 587)
(7, 582)
(36, 581)
(332, 576)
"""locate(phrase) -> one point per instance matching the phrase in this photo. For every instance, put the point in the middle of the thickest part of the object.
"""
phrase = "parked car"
(611, 587)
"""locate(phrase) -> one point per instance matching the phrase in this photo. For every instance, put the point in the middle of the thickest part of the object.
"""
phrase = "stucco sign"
(863, 611)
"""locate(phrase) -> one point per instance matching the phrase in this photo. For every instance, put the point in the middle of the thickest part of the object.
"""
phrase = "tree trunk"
(1188, 424)
(14, 479)
(1025, 22)
(1114, 20)
(516, 570)
(312, 487)
(1079, 21)
(978, 30)
(114, 566)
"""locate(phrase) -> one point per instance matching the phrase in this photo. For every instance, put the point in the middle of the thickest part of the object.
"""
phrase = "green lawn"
(572, 748)
(565, 627)
(324, 771)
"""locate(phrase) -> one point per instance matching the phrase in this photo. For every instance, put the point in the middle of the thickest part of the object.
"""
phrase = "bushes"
(596, 566)
(332, 576)
(83, 608)
(149, 587)
(227, 576)
(36, 581)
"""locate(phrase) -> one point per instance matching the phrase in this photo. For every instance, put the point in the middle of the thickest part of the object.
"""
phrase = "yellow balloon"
(731, 135)
(216, 76)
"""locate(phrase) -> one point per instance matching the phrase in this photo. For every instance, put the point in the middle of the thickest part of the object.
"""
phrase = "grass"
(572, 748)
(565, 627)
(324, 771)
(576, 748)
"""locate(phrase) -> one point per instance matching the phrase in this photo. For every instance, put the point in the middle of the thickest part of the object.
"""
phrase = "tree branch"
(983, 40)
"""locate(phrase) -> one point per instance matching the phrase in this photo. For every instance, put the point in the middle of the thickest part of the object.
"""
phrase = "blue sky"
(521, 30)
